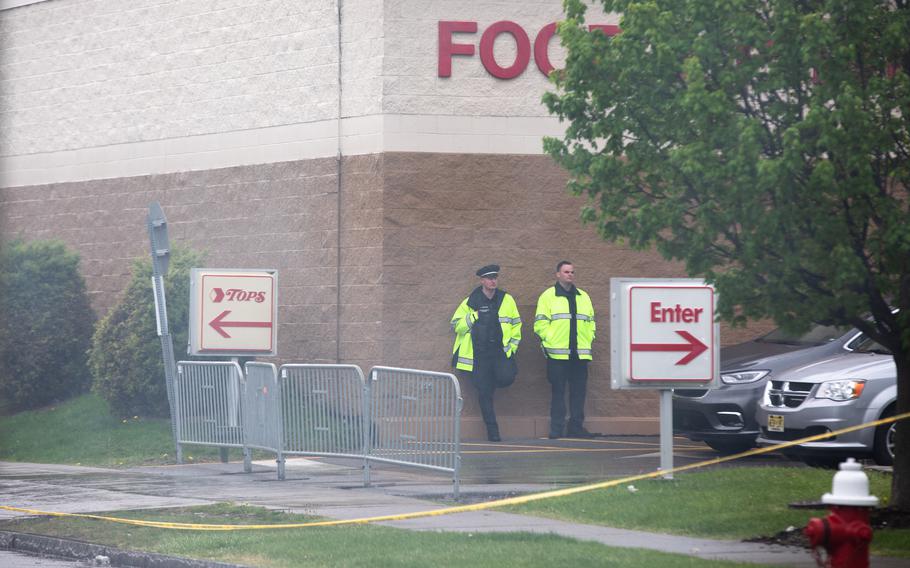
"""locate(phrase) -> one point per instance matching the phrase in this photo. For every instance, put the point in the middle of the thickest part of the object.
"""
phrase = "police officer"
(564, 321)
(487, 333)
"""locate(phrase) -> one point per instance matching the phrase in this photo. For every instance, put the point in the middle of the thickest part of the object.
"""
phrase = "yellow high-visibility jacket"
(465, 317)
(553, 322)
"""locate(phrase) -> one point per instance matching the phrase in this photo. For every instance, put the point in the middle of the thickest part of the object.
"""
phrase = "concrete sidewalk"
(334, 490)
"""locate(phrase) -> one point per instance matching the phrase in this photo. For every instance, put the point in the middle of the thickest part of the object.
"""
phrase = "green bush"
(46, 324)
(125, 357)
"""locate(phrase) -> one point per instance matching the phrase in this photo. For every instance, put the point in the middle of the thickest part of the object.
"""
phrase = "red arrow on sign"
(218, 324)
(692, 345)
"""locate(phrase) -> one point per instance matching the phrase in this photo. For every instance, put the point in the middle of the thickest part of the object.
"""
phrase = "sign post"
(663, 335)
(160, 249)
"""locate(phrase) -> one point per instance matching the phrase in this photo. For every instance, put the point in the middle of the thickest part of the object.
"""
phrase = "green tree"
(765, 144)
(46, 324)
(125, 357)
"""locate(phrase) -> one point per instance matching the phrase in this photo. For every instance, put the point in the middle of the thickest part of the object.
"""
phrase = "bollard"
(845, 533)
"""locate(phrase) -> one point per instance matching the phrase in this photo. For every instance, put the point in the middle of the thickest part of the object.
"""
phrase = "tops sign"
(233, 312)
(448, 47)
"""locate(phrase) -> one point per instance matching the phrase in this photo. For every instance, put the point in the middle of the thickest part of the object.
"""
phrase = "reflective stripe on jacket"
(463, 320)
(553, 321)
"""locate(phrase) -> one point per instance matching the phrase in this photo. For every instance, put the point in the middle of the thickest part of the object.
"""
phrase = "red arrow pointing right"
(692, 345)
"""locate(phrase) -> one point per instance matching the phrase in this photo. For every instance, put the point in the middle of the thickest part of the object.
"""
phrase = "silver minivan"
(829, 395)
(724, 418)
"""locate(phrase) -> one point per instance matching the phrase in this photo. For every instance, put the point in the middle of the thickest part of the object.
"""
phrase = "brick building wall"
(273, 138)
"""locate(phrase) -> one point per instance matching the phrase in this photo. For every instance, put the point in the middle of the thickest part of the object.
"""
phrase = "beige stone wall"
(281, 216)
(414, 228)
(448, 214)
(362, 240)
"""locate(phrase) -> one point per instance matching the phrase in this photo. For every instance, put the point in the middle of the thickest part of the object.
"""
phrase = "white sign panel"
(233, 312)
(663, 333)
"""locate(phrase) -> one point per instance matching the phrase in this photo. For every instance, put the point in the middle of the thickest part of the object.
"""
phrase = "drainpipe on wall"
(338, 164)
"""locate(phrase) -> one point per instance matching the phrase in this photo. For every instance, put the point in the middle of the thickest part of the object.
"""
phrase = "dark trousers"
(575, 374)
(484, 380)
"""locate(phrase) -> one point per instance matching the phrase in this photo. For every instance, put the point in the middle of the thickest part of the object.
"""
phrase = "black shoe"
(581, 433)
(555, 435)
(494, 438)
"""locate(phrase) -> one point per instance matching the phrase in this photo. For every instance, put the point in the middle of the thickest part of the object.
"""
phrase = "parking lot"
(568, 461)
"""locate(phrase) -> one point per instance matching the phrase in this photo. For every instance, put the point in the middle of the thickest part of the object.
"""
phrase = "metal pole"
(367, 426)
(666, 432)
(238, 409)
(158, 239)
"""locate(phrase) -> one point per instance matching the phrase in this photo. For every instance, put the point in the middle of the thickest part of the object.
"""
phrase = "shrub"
(45, 327)
(125, 357)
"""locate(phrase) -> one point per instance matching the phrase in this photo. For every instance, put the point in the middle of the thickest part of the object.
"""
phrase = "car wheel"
(729, 447)
(822, 462)
(883, 451)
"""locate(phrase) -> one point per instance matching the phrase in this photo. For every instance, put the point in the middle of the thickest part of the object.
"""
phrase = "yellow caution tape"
(466, 508)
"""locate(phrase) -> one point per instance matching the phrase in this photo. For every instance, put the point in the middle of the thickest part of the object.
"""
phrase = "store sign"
(233, 312)
(664, 332)
(501, 69)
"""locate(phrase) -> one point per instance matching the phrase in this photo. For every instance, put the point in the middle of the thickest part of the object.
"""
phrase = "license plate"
(775, 423)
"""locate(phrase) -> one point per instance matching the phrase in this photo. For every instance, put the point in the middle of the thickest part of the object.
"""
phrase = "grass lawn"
(350, 546)
(726, 503)
(83, 431)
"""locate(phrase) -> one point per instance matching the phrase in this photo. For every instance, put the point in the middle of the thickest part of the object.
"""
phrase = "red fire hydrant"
(845, 533)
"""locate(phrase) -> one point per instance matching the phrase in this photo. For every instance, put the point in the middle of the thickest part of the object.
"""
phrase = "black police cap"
(488, 270)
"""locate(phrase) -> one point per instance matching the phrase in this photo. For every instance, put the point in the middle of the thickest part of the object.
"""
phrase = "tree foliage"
(125, 357)
(765, 144)
(46, 324)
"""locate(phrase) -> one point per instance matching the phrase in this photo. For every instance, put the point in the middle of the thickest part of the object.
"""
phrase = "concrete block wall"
(96, 89)
(281, 216)
(410, 81)
(362, 49)
(361, 325)
(88, 73)
(229, 111)
(448, 214)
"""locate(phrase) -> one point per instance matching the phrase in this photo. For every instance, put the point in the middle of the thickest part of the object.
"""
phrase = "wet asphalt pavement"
(10, 559)
(334, 489)
(574, 461)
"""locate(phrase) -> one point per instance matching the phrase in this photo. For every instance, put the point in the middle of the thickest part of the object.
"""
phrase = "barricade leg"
(366, 429)
(456, 482)
(247, 460)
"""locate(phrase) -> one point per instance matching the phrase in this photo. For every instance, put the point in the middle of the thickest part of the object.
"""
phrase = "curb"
(87, 552)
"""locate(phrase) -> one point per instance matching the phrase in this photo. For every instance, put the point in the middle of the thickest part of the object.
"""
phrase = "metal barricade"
(401, 416)
(261, 409)
(416, 420)
(324, 411)
(207, 397)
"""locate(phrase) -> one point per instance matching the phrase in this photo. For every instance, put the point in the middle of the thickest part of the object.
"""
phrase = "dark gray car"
(724, 418)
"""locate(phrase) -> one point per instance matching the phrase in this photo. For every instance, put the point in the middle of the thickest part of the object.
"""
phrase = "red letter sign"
(609, 30)
(521, 58)
(447, 49)
(541, 43)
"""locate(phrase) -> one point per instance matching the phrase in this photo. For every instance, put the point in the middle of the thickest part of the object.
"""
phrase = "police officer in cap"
(487, 333)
